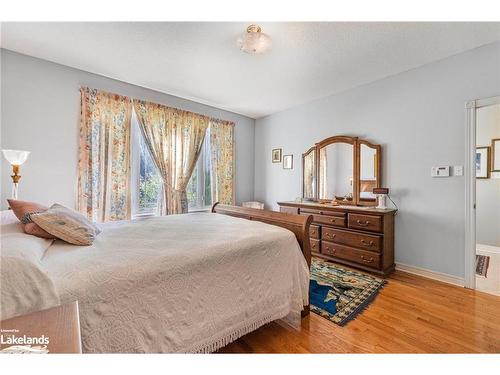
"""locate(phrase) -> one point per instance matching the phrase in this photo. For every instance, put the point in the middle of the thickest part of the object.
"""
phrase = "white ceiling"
(200, 61)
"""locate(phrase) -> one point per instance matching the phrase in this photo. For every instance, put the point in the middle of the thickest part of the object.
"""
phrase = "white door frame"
(470, 186)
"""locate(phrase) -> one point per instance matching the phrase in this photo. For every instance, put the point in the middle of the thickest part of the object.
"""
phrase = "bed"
(184, 283)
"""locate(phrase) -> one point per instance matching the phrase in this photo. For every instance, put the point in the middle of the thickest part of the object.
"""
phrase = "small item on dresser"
(381, 194)
(23, 211)
(67, 225)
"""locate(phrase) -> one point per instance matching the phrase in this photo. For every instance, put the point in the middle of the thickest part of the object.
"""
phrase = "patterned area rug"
(339, 294)
(482, 263)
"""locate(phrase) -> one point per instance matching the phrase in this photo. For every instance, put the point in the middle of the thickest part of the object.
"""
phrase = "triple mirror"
(342, 169)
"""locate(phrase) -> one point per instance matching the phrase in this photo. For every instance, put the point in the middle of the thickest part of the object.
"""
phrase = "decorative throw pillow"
(66, 224)
(35, 230)
(23, 211)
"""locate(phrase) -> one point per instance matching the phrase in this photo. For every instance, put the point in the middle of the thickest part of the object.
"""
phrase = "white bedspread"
(182, 283)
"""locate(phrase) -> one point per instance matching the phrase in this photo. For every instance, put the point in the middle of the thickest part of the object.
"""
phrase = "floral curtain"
(174, 138)
(222, 160)
(104, 156)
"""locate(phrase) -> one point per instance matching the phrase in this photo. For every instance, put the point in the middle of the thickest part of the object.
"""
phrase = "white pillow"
(26, 287)
(10, 223)
(15, 243)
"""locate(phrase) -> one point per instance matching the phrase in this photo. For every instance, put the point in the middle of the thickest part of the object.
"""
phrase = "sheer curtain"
(222, 160)
(174, 138)
(104, 156)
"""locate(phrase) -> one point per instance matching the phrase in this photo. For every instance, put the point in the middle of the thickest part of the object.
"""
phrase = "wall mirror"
(309, 174)
(336, 168)
(369, 170)
(342, 169)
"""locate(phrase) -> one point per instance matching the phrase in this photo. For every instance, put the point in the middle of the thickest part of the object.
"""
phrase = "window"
(147, 182)
(146, 185)
(199, 189)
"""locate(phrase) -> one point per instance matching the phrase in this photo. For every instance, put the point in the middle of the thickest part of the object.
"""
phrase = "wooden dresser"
(360, 237)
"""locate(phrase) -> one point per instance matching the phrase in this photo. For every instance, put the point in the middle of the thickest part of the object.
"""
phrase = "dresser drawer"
(315, 245)
(366, 258)
(354, 239)
(365, 222)
(314, 231)
(321, 212)
(338, 221)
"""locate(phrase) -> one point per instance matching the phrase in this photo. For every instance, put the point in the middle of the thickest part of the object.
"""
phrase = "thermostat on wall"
(440, 171)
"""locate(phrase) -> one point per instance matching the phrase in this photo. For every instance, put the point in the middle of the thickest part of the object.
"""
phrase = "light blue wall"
(40, 113)
(419, 118)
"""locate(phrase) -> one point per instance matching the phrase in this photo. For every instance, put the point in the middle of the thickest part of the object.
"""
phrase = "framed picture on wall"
(495, 155)
(288, 162)
(482, 162)
(276, 155)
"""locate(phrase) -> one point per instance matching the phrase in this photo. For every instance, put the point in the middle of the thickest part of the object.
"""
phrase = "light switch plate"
(458, 170)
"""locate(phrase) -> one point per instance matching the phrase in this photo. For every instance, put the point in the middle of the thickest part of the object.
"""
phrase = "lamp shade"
(16, 157)
(254, 41)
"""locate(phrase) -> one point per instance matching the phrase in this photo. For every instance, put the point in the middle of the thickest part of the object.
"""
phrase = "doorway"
(483, 196)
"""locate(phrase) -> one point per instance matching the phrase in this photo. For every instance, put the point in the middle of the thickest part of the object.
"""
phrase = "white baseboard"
(443, 277)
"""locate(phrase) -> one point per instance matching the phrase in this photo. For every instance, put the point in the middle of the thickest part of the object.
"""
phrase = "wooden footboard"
(298, 224)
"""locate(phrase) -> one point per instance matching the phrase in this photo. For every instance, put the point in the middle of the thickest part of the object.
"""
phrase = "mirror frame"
(304, 155)
(378, 171)
(356, 142)
(340, 139)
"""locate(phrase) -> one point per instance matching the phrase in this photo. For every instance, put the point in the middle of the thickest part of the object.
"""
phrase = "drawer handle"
(366, 243)
(333, 251)
(333, 220)
(363, 223)
(313, 246)
(332, 235)
(320, 212)
(366, 260)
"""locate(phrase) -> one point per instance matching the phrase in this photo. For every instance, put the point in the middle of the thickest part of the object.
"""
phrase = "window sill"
(147, 215)
(143, 216)
(206, 209)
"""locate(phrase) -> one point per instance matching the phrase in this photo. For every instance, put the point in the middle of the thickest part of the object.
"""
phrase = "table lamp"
(16, 158)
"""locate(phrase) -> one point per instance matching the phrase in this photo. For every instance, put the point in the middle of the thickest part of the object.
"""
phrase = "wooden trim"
(339, 208)
(336, 139)
(297, 224)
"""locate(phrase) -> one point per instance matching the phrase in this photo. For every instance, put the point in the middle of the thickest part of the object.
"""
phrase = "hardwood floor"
(411, 314)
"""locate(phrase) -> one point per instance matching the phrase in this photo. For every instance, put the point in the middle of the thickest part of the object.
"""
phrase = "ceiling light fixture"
(254, 41)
